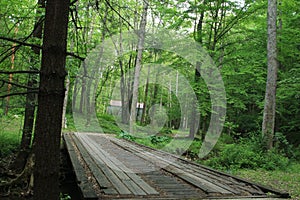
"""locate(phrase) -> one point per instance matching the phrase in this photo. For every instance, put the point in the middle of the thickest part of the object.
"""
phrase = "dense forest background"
(233, 33)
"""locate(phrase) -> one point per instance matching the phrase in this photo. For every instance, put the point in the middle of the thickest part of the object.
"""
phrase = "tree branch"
(20, 42)
(111, 7)
(36, 46)
(75, 56)
(19, 93)
(19, 72)
(17, 84)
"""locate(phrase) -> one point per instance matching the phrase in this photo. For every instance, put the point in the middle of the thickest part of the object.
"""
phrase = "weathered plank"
(125, 173)
(201, 183)
(123, 165)
(104, 183)
(84, 184)
(133, 182)
(114, 179)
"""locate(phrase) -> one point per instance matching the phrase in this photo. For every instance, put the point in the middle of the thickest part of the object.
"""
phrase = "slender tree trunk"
(93, 78)
(9, 86)
(64, 119)
(50, 101)
(20, 161)
(194, 123)
(75, 94)
(141, 38)
(144, 111)
(31, 101)
(270, 97)
(83, 90)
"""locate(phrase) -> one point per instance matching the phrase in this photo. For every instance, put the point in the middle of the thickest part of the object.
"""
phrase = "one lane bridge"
(111, 168)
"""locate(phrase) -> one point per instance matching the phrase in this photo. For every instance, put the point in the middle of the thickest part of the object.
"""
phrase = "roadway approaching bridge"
(111, 168)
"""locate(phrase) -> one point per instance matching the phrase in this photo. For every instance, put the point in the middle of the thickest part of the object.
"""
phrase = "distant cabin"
(115, 108)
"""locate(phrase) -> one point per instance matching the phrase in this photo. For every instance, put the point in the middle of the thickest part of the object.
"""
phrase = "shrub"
(234, 156)
(165, 131)
(247, 155)
(274, 160)
(125, 135)
(159, 139)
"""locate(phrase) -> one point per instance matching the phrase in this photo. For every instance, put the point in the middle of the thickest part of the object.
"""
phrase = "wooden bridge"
(110, 168)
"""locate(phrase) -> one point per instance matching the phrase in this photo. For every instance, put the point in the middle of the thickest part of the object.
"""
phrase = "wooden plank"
(82, 180)
(215, 184)
(134, 182)
(116, 164)
(223, 188)
(233, 179)
(102, 180)
(116, 182)
(196, 181)
(104, 183)
(213, 181)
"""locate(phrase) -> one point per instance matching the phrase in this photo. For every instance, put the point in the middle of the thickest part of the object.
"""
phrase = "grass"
(10, 134)
(284, 180)
(103, 124)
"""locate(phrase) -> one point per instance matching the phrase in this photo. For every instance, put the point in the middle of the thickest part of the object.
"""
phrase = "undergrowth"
(10, 134)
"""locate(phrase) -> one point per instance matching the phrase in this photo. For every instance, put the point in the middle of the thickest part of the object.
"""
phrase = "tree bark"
(50, 101)
(141, 39)
(270, 96)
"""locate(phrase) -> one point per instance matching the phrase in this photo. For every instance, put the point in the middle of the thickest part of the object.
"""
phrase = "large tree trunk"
(140, 47)
(50, 101)
(270, 97)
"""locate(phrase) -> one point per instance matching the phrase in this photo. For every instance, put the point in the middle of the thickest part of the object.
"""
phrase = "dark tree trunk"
(31, 100)
(20, 161)
(50, 101)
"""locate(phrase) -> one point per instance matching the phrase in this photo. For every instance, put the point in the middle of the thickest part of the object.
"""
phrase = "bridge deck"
(110, 168)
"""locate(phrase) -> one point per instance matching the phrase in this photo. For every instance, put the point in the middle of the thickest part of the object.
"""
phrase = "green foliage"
(159, 139)
(247, 154)
(10, 134)
(125, 135)
(165, 131)
(64, 196)
(108, 124)
(284, 180)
